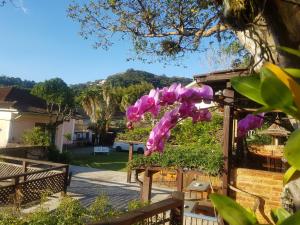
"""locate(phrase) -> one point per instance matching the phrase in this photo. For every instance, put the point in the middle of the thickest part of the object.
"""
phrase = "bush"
(208, 159)
(56, 156)
(36, 136)
(69, 212)
(137, 134)
(259, 139)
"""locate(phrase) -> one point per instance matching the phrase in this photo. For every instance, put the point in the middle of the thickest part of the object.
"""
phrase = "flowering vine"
(185, 99)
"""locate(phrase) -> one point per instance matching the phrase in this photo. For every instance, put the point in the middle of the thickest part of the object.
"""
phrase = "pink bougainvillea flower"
(170, 95)
(187, 97)
(207, 93)
(187, 109)
(129, 125)
(201, 115)
(250, 122)
(132, 114)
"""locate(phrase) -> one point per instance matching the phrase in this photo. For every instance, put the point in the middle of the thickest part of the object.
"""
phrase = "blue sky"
(38, 42)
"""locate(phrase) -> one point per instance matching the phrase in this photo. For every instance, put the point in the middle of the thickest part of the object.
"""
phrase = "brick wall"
(264, 184)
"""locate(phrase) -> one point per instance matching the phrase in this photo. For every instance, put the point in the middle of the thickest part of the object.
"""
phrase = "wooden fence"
(28, 152)
(24, 180)
(169, 211)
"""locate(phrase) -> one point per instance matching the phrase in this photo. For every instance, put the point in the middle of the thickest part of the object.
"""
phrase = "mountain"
(136, 76)
(16, 81)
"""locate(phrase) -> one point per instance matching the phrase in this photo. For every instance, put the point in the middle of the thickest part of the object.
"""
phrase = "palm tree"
(99, 103)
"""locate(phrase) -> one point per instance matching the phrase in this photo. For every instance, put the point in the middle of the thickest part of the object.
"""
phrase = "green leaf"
(248, 86)
(293, 72)
(274, 93)
(292, 149)
(290, 50)
(279, 215)
(232, 212)
(292, 220)
(288, 174)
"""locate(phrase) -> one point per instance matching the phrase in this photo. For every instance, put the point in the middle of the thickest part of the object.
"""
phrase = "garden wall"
(264, 184)
(168, 178)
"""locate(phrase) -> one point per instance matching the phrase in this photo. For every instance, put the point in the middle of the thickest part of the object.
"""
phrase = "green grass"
(116, 161)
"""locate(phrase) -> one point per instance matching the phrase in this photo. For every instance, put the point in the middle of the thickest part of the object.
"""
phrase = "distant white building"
(20, 111)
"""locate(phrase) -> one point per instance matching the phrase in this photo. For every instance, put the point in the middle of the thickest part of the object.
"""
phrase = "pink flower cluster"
(186, 99)
(250, 122)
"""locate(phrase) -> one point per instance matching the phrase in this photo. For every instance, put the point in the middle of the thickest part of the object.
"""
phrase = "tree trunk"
(283, 18)
(52, 130)
(277, 23)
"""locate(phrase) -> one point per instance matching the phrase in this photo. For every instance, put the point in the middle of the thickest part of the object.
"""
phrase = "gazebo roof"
(218, 79)
(275, 130)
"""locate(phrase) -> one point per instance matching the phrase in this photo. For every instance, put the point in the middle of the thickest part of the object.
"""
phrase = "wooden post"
(176, 214)
(130, 157)
(227, 138)
(179, 180)
(66, 177)
(18, 192)
(147, 186)
(24, 168)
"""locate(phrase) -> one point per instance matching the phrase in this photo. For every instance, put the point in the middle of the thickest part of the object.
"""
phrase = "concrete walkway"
(88, 183)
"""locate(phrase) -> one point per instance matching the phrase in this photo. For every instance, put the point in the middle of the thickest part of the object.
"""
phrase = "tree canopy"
(54, 91)
(16, 81)
(172, 28)
(60, 102)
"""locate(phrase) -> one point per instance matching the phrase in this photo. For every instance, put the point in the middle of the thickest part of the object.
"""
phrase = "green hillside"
(136, 76)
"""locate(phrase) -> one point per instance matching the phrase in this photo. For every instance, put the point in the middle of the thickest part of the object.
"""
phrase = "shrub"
(69, 212)
(36, 136)
(137, 134)
(100, 209)
(56, 156)
(208, 159)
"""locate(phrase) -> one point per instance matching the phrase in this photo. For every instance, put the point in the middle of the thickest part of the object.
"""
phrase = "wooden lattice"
(7, 194)
(21, 183)
(32, 190)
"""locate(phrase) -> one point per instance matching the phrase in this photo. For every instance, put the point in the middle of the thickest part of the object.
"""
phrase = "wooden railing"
(169, 211)
(25, 180)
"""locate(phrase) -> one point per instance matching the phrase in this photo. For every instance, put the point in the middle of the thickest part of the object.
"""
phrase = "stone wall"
(264, 184)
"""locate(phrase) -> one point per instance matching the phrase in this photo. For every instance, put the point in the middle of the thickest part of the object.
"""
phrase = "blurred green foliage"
(36, 136)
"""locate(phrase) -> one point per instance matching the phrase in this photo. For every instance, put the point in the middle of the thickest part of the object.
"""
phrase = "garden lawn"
(116, 161)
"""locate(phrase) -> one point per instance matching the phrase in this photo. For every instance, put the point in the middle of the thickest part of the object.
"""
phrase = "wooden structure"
(146, 184)
(24, 180)
(130, 156)
(240, 171)
(169, 211)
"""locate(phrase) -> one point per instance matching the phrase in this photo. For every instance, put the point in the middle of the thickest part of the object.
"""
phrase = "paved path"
(88, 183)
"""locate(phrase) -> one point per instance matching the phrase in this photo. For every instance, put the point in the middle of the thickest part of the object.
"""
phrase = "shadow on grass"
(116, 161)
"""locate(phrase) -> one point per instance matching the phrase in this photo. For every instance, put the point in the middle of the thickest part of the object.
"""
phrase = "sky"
(38, 41)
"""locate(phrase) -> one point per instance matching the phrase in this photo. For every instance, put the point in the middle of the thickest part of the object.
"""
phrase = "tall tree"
(172, 28)
(99, 103)
(60, 102)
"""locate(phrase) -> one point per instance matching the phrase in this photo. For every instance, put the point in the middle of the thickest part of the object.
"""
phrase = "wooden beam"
(147, 186)
(130, 157)
(227, 139)
(179, 180)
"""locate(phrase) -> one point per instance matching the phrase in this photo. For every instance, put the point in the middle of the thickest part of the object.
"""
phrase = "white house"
(21, 111)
